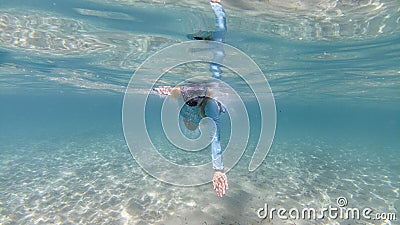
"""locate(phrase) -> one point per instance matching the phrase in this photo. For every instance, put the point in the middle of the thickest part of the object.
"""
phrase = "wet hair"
(193, 92)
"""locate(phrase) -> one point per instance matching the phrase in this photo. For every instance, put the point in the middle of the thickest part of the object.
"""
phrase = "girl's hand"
(220, 183)
(163, 90)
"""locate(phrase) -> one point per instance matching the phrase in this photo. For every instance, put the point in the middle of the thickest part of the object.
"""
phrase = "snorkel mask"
(193, 93)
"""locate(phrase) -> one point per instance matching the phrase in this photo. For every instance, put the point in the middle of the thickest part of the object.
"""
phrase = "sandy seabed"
(96, 181)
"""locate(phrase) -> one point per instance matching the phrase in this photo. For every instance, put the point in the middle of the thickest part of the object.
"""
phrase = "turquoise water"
(333, 67)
